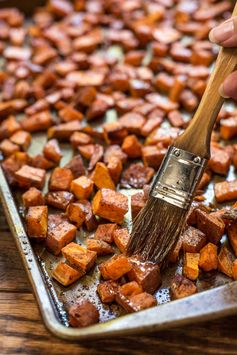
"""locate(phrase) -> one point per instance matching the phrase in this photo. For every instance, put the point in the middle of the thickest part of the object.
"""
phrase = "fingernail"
(222, 32)
(222, 92)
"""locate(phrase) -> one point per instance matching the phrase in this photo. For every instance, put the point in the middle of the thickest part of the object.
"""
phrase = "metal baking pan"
(216, 297)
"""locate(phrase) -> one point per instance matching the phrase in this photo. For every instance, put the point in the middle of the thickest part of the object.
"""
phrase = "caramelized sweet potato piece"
(220, 161)
(80, 138)
(114, 151)
(8, 148)
(76, 166)
(114, 133)
(28, 176)
(115, 168)
(14, 163)
(60, 179)
(153, 156)
(86, 78)
(162, 135)
(52, 151)
(228, 127)
(182, 287)
(60, 233)
(206, 178)
(212, 226)
(96, 156)
(82, 187)
(39, 161)
(105, 232)
(79, 257)
(69, 113)
(130, 289)
(65, 274)
(21, 138)
(151, 124)
(162, 102)
(107, 291)
(59, 199)
(86, 95)
(76, 213)
(110, 205)
(132, 121)
(136, 175)
(64, 131)
(225, 261)
(232, 235)
(8, 127)
(36, 221)
(115, 267)
(234, 270)
(136, 302)
(102, 178)
(132, 147)
(37, 122)
(83, 314)
(138, 201)
(176, 119)
(190, 268)
(208, 257)
(146, 274)
(225, 191)
(90, 220)
(193, 240)
(164, 82)
(174, 253)
(33, 197)
(121, 238)
(99, 246)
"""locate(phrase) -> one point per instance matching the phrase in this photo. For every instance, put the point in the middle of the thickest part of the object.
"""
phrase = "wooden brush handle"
(197, 136)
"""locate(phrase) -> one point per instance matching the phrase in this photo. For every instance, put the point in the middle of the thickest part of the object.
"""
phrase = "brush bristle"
(156, 230)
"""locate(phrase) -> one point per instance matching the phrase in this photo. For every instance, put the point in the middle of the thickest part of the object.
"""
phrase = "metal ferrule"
(178, 177)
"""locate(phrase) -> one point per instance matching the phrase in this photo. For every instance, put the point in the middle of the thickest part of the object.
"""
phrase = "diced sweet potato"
(59, 199)
(86, 95)
(83, 314)
(133, 122)
(206, 178)
(28, 176)
(153, 156)
(115, 168)
(36, 221)
(90, 220)
(107, 291)
(60, 179)
(174, 253)
(193, 240)
(181, 287)
(152, 123)
(114, 133)
(8, 127)
(37, 122)
(64, 131)
(60, 233)
(136, 175)
(76, 213)
(116, 152)
(225, 261)
(68, 114)
(76, 166)
(96, 156)
(162, 135)
(33, 197)
(130, 289)
(105, 232)
(14, 163)
(110, 205)
(220, 161)
(225, 191)
(228, 128)
(234, 270)
(21, 138)
(212, 226)
(99, 246)
(164, 82)
(138, 201)
(102, 178)
(162, 102)
(52, 150)
(80, 138)
(190, 268)
(82, 187)
(208, 257)
(137, 302)
(232, 236)
(78, 256)
(121, 238)
(8, 148)
(115, 267)
(65, 274)
(39, 161)
(146, 274)
(176, 119)
(132, 147)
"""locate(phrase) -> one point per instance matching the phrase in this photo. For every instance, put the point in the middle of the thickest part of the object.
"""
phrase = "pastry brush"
(159, 224)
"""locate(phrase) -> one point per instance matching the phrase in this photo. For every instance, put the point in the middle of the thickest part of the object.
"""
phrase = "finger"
(229, 87)
(225, 34)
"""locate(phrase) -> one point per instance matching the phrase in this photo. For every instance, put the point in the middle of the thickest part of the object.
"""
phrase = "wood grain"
(22, 330)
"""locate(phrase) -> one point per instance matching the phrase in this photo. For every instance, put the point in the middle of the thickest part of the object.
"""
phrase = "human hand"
(226, 35)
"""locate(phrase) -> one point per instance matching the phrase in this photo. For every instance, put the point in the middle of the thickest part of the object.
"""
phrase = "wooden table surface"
(22, 330)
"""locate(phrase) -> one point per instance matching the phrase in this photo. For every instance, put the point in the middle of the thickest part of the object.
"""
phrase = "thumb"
(225, 34)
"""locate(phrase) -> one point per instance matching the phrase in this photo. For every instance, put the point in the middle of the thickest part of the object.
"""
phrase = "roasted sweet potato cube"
(190, 268)
(86, 95)
(80, 138)
(68, 113)
(162, 135)
(82, 187)
(181, 287)
(37, 122)
(115, 267)
(90, 220)
(65, 274)
(228, 127)
(13, 163)
(132, 121)
(27, 176)
(232, 236)
(110, 205)
(151, 124)
(138, 201)
(21, 138)
(97, 156)
(8, 127)
(208, 257)
(83, 314)
(76, 166)
(59, 235)
(193, 240)
(60, 179)
(39, 161)
(225, 261)
(225, 191)
(107, 291)
(146, 274)
(64, 131)
(132, 147)
(59, 199)
(36, 221)
(115, 168)
(114, 133)
(121, 238)
(99, 246)
(105, 232)
(220, 161)
(174, 253)
(234, 270)
(130, 289)
(33, 197)
(176, 119)
(212, 226)
(102, 178)
(76, 213)
(52, 151)
(114, 151)
(79, 257)
(153, 156)
(137, 302)
(206, 178)
(8, 148)
(136, 175)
